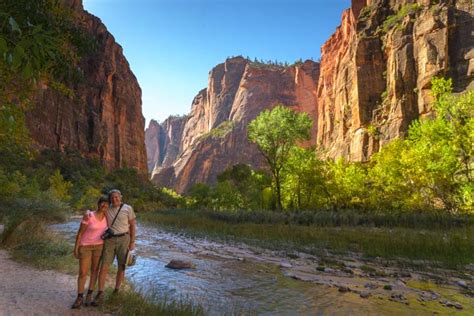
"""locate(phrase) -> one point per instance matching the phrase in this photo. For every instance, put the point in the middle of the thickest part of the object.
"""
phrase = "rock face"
(163, 142)
(104, 118)
(373, 81)
(214, 135)
(377, 67)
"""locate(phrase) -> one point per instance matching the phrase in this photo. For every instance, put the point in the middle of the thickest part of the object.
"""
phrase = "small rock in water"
(399, 298)
(347, 270)
(329, 270)
(364, 294)
(405, 274)
(462, 284)
(344, 289)
(286, 265)
(371, 286)
(458, 306)
(293, 255)
(180, 264)
(240, 259)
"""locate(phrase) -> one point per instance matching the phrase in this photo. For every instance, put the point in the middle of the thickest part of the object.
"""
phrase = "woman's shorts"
(89, 251)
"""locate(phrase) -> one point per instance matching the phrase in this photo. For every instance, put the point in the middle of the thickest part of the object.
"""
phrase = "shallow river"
(225, 281)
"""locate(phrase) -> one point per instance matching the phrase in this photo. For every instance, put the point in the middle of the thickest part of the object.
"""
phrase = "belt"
(120, 235)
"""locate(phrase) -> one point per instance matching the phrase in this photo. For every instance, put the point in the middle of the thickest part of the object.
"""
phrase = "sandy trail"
(28, 291)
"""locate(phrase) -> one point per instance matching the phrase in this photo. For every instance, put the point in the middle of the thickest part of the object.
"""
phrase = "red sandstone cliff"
(375, 75)
(104, 119)
(373, 81)
(214, 134)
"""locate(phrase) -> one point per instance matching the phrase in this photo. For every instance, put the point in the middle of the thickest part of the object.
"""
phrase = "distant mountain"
(199, 146)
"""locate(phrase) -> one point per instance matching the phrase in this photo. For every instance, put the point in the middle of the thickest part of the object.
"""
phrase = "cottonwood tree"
(275, 133)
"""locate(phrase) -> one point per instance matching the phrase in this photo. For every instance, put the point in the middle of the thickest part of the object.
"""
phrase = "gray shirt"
(122, 222)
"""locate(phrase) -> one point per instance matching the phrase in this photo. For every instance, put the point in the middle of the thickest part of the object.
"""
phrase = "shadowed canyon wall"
(104, 118)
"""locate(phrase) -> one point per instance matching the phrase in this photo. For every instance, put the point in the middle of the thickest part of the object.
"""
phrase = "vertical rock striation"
(214, 134)
(104, 117)
(373, 81)
(377, 67)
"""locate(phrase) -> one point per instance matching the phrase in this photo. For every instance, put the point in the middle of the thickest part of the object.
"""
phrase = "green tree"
(249, 183)
(275, 132)
(59, 188)
(432, 168)
(304, 185)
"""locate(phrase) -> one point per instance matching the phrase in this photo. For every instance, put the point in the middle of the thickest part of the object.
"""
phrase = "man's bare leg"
(120, 277)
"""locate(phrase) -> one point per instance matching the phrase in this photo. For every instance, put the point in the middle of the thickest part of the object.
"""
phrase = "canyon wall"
(376, 70)
(214, 135)
(103, 118)
(374, 79)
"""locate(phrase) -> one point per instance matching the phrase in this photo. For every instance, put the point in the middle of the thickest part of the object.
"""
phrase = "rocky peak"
(214, 136)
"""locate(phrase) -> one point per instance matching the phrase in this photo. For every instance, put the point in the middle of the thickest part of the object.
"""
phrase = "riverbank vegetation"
(407, 239)
(414, 199)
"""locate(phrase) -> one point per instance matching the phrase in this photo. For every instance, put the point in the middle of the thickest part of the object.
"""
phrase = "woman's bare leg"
(94, 272)
(84, 266)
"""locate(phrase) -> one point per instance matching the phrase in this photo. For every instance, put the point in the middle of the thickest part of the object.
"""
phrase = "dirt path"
(27, 291)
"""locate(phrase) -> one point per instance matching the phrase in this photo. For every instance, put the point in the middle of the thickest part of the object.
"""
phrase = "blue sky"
(172, 45)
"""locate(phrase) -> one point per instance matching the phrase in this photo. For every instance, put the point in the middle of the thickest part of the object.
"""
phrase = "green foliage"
(432, 168)
(452, 247)
(200, 195)
(303, 181)
(220, 131)
(131, 302)
(275, 133)
(14, 139)
(245, 185)
(238, 188)
(88, 199)
(58, 187)
(396, 19)
(347, 183)
(38, 40)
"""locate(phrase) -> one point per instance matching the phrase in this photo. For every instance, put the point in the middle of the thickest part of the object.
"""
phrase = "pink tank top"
(95, 228)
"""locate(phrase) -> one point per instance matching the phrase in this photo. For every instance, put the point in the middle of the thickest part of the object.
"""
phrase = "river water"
(231, 279)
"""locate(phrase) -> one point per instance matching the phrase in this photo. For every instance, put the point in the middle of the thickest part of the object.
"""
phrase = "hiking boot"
(78, 303)
(88, 299)
(98, 300)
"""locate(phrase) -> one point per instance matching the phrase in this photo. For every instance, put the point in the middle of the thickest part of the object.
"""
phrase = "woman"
(88, 249)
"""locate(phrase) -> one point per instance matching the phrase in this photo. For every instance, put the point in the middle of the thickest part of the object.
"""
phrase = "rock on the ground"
(180, 264)
(344, 289)
(284, 264)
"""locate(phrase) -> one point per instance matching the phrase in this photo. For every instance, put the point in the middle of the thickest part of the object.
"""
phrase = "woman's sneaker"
(78, 302)
(98, 300)
(88, 299)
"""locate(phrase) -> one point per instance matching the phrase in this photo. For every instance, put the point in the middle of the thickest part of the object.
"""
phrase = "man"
(117, 246)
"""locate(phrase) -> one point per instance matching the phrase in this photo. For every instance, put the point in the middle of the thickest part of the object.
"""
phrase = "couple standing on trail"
(107, 233)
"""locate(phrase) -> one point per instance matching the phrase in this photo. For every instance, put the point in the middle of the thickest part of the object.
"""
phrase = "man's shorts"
(115, 247)
(89, 251)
